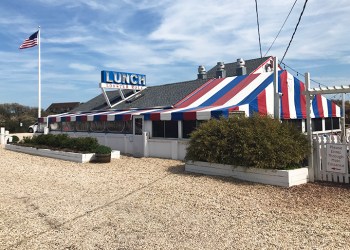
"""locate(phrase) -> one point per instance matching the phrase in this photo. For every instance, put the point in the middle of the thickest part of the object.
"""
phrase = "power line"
(295, 30)
(298, 73)
(281, 28)
(257, 21)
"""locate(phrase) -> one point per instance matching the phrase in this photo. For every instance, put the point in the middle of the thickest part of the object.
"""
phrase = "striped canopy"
(218, 97)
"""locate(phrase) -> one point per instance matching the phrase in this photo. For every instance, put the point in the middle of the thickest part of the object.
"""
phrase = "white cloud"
(82, 67)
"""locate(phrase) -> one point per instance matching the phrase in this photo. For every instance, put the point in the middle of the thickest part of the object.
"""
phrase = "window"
(297, 123)
(317, 124)
(98, 126)
(68, 126)
(165, 129)
(55, 126)
(82, 126)
(336, 122)
(138, 126)
(120, 127)
(189, 126)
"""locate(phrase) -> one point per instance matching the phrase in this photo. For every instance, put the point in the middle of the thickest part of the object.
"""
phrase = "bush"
(258, 141)
(63, 141)
(101, 149)
(15, 139)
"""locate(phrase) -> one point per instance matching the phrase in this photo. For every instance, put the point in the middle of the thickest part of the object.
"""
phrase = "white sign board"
(337, 160)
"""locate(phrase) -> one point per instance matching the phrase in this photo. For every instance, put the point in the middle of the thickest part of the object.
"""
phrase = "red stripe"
(68, 118)
(195, 95)
(235, 90)
(83, 118)
(334, 110)
(285, 98)
(126, 117)
(53, 119)
(236, 108)
(262, 103)
(191, 115)
(103, 118)
(155, 116)
(319, 106)
(302, 99)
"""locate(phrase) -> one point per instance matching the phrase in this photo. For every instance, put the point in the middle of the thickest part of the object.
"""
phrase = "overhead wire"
(281, 28)
(298, 73)
(295, 30)
(257, 22)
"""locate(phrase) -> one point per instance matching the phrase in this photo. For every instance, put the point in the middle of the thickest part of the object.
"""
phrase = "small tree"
(258, 141)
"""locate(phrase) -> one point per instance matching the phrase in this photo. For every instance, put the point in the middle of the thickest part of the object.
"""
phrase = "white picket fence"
(331, 162)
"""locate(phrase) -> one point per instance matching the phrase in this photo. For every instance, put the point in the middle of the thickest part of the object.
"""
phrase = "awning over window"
(218, 97)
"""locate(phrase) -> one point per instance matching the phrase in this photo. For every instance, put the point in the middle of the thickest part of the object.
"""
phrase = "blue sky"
(165, 40)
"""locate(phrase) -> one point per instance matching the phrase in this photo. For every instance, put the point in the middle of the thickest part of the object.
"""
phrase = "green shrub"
(101, 149)
(63, 141)
(258, 141)
(15, 139)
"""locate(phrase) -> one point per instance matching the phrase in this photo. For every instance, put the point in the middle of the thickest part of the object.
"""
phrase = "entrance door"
(138, 143)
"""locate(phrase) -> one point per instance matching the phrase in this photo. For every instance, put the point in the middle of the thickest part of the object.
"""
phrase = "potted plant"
(103, 154)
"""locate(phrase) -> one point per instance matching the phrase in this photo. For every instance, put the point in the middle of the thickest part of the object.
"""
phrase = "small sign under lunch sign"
(337, 160)
(122, 80)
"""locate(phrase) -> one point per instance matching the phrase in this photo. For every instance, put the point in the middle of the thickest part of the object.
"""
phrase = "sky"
(165, 40)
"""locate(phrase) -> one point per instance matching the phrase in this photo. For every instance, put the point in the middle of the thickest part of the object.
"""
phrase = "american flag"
(30, 41)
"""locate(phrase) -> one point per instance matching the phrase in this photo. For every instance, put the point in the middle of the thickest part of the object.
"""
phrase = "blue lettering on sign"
(123, 78)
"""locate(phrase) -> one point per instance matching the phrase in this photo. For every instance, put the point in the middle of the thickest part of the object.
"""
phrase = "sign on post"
(336, 158)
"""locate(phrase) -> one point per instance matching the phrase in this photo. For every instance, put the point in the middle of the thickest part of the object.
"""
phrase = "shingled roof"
(230, 68)
(162, 95)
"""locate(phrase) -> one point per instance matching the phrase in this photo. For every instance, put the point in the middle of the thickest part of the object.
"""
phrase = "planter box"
(67, 156)
(284, 178)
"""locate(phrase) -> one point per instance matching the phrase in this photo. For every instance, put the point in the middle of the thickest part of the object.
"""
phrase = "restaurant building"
(156, 121)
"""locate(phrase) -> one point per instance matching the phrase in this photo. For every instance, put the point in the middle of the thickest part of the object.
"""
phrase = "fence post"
(2, 136)
(309, 127)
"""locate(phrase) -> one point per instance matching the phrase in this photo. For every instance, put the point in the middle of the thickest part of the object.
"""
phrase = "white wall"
(162, 148)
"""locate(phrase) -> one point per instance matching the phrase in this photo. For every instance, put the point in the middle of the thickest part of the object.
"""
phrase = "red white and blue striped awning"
(218, 97)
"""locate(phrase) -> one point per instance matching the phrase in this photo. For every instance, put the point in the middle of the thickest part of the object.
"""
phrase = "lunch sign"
(122, 80)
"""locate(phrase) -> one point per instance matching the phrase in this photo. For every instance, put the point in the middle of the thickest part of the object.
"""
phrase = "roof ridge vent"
(202, 73)
(220, 70)
(241, 68)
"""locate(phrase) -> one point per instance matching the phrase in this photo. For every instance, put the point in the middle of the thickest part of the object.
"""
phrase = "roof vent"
(202, 73)
(220, 70)
(241, 68)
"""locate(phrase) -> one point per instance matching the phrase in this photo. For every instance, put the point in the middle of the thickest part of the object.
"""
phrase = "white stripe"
(211, 92)
(269, 99)
(247, 90)
(291, 96)
(324, 106)
(245, 108)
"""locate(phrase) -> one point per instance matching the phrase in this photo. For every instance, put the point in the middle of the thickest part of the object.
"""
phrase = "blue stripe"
(329, 105)
(253, 107)
(118, 117)
(177, 116)
(315, 108)
(258, 90)
(223, 91)
(297, 96)
(219, 113)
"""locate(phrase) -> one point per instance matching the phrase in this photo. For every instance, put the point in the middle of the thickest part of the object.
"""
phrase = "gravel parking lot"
(147, 203)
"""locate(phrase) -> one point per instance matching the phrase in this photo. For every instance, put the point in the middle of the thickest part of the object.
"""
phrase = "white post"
(309, 127)
(343, 130)
(276, 105)
(39, 77)
(2, 136)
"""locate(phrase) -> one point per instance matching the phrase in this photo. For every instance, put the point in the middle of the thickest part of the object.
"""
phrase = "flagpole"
(39, 76)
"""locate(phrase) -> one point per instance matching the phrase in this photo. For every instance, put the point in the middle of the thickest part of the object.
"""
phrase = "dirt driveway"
(146, 203)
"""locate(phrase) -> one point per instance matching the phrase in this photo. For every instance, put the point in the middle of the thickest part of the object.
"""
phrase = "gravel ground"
(147, 203)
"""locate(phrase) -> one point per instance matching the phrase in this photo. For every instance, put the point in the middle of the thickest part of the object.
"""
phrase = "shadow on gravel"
(180, 170)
